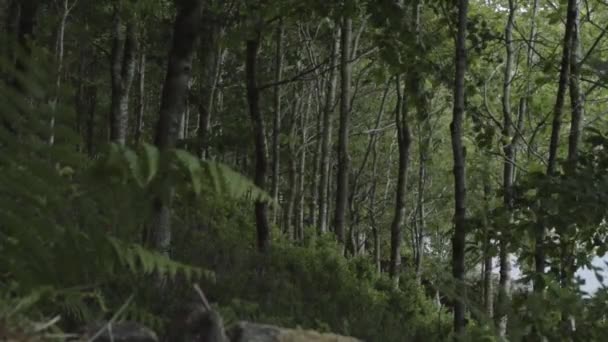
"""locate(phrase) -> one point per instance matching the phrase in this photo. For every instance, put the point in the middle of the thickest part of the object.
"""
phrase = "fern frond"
(138, 259)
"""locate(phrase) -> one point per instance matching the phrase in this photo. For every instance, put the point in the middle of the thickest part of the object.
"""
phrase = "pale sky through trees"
(592, 283)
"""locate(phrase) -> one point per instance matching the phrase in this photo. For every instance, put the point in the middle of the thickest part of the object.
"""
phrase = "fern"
(69, 226)
(203, 176)
(140, 260)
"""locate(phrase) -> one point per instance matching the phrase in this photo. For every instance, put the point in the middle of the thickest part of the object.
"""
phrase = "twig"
(43, 326)
(203, 298)
(112, 320)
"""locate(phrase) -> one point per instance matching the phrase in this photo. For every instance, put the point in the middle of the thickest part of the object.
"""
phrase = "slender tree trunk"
(343, 141)
(288, 210)
(185, 36)
(261, 162)
(300, 204)
(404, 142)
(141, 98)
(211, 59)
(458, 150)
(523, 102)
(90, 94)
(539, 253)
(314, 187)
(508, 175)
(423, 147)
(330, 94)
(123, 70)
(577, 100)
(488, 290)
(65, 12)
(23, 26)
(577, 112)
(276, 122)
(372, 209)
(313, 204)
(424, 142)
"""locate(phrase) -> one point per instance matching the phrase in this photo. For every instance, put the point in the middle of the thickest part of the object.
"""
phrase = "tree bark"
(404, 142)
(23, 25)
(424, 142)
(59, 53)
(372, 209)
(508, 175)
(577, 100)
(211, 59)
(488, 288)
(186, 32)
(458, 150)
(330, 94)
(568, 246)
(523, 102)
(257, 119)
(276, 122)
(539, 253)
(123, 71)
(90, 94)
(141, 98)
(300, 203)
(343, 137)
(288, 210)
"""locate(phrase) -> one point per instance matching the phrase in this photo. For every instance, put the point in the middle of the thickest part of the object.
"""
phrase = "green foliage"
(309, 286)
(63, 240)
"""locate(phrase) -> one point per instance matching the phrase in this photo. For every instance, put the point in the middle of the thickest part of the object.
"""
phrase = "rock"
(251, 332)
(120, 332)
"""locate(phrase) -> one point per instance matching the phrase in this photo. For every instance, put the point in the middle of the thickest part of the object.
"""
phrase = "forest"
(390, 170)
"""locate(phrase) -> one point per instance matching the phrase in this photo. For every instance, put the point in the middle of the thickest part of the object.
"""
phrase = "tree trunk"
(276, 122)
(523, 102)
(300, 204)
(211, 59)
(123, 70)
(488, 290)
(330, 94)
(90, 94)
(185, 36)
(404, 142)
(424, 142)
(59, 53)
(141, 98)
(372, 209)
(577, 100)
(288, 210)
(261, 163)
(577, 112)
(508, 175)
(343, 144)
(539, 253)
(458, 150)
(423, 147)
(23, 26)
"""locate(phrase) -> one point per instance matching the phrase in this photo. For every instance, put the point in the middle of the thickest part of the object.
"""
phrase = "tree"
(123, 71)
(186, 32)
(343, 154)
(404, 141)
(259, 131)
(276, 120)
(539, 256)
(458, 150)
(508, 171)
(330, 93)
(211, 60)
